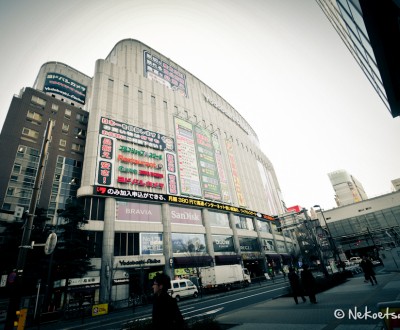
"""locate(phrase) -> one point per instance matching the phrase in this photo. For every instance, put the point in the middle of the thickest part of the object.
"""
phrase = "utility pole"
(16, 294)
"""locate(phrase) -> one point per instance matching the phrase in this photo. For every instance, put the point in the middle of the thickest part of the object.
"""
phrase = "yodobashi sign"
(59, 84)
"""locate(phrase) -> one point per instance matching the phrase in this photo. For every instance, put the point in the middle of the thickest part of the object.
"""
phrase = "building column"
(209, 240)
(235, 236)
(167, 240)
(107, 257)
(259, 239)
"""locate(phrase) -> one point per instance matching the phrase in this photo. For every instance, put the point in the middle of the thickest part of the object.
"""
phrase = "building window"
(34, 117)
(79, 133)
(153, 99)
(17, 168)
(81, 118)
(10, 191)
(65, 128)
(77, 147)
(30, 133)
(38, 101)
(63, 143)
(54, 108)
(67, 113)
(140, 95)
(165, 105)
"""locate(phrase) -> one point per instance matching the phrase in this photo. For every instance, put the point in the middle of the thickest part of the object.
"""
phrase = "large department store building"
(172, 175)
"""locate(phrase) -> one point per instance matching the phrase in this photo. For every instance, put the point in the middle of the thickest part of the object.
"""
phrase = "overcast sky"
(277, 62)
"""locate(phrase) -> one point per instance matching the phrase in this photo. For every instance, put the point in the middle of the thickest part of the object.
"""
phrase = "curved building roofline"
(138, 41)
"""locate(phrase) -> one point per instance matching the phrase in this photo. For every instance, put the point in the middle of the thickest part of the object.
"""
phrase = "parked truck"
(224, 277)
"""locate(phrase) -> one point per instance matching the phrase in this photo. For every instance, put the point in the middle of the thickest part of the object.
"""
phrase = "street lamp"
(331, 240)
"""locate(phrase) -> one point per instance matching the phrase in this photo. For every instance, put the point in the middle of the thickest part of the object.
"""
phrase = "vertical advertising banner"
(223, 179)
(235, 174)
(265, 179)
(188, 169)
(105, 161)
(207, 164)
(171, 171)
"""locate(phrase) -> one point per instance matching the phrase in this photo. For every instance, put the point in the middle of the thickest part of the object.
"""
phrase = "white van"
(183, 288)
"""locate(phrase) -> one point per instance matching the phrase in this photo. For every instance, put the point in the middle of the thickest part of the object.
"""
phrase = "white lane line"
(230, 301)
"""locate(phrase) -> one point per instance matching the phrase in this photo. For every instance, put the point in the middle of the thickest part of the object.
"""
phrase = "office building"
(348, 189)
(171, 175)
(396, 184)
(370, 31)
(369, 227)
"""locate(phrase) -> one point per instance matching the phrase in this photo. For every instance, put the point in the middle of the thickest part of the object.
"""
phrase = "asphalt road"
(215, 304)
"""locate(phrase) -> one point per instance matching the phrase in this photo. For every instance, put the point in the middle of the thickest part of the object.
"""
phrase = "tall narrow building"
(370, 30)
(348, 189)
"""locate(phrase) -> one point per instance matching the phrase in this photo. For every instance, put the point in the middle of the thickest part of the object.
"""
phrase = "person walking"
(309, 283)
(368, 269)
(295, 285)
(166, 313)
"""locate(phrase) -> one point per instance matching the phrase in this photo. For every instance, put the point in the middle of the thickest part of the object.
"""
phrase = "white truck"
(224, 277)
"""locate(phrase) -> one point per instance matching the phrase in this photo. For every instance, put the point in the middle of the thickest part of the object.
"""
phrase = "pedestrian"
(166, 313)
(295, 285)
(368, 269)
(309, 283)
(363, 267)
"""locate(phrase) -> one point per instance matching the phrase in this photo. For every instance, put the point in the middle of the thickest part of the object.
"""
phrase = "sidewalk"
(343, 301)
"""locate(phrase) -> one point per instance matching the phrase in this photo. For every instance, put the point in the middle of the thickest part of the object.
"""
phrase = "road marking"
(230, 301)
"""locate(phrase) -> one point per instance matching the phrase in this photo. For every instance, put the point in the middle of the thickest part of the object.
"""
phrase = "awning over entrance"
(273, 256)
(286, 256)
(194, 261)
(227, 260)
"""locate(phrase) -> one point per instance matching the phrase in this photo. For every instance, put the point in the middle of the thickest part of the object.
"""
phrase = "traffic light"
(21, 319)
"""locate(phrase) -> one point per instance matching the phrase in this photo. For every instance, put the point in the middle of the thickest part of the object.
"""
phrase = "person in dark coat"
(166, 313)
(309, 283)
(368, 269)
(294, 281)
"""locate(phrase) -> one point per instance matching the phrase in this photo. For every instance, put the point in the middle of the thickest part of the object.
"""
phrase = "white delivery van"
(183, 288)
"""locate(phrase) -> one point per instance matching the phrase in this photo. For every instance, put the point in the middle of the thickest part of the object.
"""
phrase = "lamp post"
(331, 240)
(16, 292)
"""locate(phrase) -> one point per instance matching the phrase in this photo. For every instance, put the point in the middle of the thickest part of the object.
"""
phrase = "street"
(210, 304)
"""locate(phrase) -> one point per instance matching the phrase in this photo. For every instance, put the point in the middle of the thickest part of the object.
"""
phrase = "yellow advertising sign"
(100, 309)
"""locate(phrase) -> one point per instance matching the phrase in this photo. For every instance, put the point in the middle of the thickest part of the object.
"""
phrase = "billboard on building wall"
(62, 85)
(223, 243)
(235, 173)
(181, 215)
(105, 161)
(208, 169)
(134, 134)
(142, 212)
(249, 244)
(151, 243)
(188, 243)
(223, 179)
(158, 197)
(133, 157)
(187, 160)
(165, 74)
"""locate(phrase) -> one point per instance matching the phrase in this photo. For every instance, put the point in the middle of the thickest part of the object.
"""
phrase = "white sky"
(278, 62)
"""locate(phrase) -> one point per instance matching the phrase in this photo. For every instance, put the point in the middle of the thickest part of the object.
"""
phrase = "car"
(183, 288)
(355, 260)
